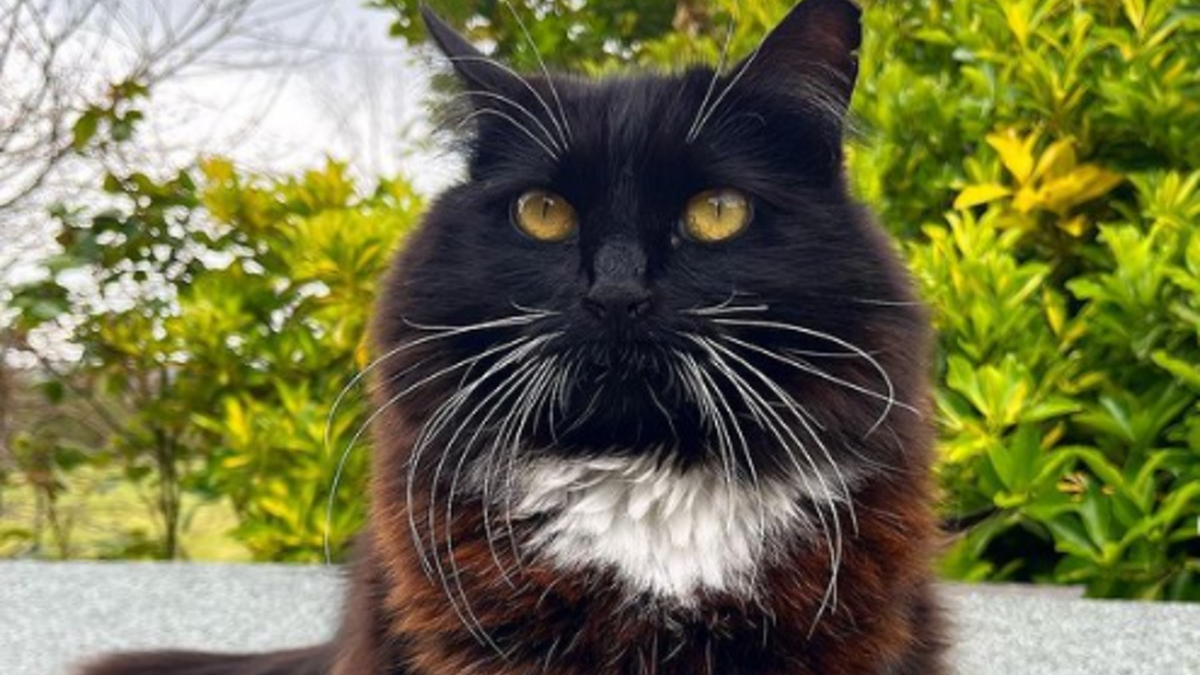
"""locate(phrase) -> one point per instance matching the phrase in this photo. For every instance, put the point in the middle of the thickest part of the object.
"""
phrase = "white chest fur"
(672, 533)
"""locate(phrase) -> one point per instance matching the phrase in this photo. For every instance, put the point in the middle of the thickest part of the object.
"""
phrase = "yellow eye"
(716, 215)
(545, 216)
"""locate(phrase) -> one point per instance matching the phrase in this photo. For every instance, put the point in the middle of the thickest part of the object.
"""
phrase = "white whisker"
(496, 64)
(337, 476)
(694, 384)
(712, 84)
(546, 72)
(806, 367)
(723, 401)
(755, 400)
(792, 405)
(479, 112)
(528, 373)
(515, 380)
(721, 310)
(520, 108)
(438, 421)
(891, 390)
(446, 331)
(527, 406)
(691, 138)
(429, 434)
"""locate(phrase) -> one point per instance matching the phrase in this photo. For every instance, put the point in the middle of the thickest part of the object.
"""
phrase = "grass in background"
(102, 516)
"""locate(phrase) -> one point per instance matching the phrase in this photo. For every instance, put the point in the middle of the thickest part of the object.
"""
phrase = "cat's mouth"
(628, 396)
(606, 363)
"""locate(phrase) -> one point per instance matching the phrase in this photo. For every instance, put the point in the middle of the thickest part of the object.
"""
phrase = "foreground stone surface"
(53, 615)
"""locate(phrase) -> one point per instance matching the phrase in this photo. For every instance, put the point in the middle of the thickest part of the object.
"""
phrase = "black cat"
(651, 389)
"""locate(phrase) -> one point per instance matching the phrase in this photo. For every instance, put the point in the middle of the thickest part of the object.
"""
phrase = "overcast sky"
(348, 91)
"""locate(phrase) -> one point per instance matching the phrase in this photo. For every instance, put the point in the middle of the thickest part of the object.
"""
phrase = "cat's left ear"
(477, 70)
(812, 52)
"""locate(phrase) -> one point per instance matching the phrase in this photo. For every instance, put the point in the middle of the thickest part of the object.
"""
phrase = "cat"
(652, 392)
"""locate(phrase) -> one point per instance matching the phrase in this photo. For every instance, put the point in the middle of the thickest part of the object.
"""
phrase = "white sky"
(353, 93)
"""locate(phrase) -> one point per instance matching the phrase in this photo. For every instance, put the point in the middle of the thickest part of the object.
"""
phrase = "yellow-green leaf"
(1016, 153)
(1083, 184)
(217, 170)
(1076, 227)
(974, 195)
(1056, 160)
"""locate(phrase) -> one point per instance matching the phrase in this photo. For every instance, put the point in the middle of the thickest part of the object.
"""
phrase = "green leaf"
(122, 130)
(85, 128)
(1017, 459)
(1071, 537)
(1096, 511)
(1187, 373)
(54, 391)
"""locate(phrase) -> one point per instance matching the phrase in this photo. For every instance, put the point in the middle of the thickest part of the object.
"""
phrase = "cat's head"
(655, 263)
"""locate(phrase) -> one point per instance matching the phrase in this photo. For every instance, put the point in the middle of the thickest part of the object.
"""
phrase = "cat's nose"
(618, 302)
(618, 293)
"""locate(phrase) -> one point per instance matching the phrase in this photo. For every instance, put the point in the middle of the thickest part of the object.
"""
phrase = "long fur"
(629, 452)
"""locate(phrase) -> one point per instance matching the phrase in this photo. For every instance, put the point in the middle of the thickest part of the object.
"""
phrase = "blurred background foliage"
(1036, 160)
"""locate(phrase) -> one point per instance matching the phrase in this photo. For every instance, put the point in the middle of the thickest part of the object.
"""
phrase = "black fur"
(810, 301)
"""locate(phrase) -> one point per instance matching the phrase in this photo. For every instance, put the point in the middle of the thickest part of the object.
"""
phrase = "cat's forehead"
(636, 112)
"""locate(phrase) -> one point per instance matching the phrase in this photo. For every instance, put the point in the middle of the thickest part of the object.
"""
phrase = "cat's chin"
(622, 411)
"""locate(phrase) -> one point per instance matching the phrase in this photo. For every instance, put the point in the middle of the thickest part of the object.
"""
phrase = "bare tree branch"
(60, 58)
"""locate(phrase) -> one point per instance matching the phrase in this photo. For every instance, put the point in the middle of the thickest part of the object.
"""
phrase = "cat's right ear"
(477, 70)
(813, 52)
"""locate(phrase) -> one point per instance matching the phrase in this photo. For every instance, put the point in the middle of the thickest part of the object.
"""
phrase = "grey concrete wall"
(54, 614)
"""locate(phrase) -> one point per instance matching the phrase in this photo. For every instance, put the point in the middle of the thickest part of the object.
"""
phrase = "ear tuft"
(814, 48)
(477, 70)
(448, 40)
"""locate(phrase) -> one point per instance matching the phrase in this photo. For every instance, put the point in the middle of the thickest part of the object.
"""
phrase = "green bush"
(1038, 160)
(226, 318)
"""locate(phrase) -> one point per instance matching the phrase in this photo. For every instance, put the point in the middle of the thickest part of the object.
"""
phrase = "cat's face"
(660, 263)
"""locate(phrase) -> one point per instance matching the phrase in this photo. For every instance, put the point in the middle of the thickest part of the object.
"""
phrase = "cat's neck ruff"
(674, 533)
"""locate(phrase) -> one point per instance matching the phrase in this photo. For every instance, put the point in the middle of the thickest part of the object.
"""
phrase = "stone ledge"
(54, 614)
